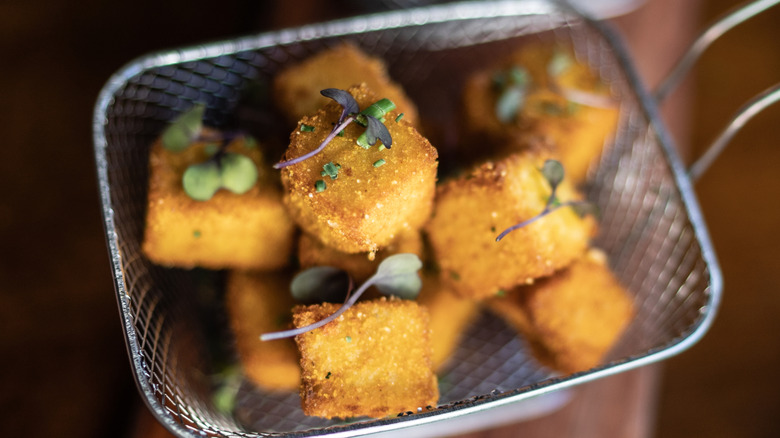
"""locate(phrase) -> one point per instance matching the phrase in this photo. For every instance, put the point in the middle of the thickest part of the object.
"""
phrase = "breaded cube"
(247, 231)
(297, 89)
(450, 316)
(378, 193)
(571, 319)
(373, 360)
(572, 111)
(257, 303)
(472, 210)
(360, 266)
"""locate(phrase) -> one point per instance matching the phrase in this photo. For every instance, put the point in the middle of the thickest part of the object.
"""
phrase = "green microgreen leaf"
(510, 103)
(184, 129)
(559, 63)
(585, 208)
(228, 383)
(201, 181)
(331, 170)
(239, 173)
(396, 275)
(513, 88)
(320, 284)
(553, 172)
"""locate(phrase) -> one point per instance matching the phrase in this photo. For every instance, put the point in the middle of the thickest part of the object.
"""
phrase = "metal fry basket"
(174, 323)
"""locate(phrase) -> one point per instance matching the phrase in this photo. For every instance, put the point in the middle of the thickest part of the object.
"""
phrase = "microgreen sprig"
(232, 171)
(396, 275)
(370, 117)
(553, 172)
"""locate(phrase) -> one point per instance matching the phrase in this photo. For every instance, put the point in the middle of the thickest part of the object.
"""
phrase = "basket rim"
(469, 10)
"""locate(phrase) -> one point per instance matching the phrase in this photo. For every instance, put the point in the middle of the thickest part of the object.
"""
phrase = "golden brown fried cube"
(571, 319)
(360, 266)
(297, 89)
(450, 316)
(247, 231)
(377, 195)
(373, 360)
(258, 303)
(471, 211)
(570, 109)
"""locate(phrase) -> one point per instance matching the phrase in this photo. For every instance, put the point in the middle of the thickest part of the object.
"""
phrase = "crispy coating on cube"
(472, 210)
(370, 202)
(360, 266)
(297, 88)
(247, 231)
(257, 303)
(374, 360)
(450, 316)
(573, 112)
(572, 319)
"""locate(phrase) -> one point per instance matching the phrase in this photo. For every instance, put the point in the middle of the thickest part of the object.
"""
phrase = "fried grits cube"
(360, 266)
(373, 360)
(297, 88)
(574, 112)
(571, 319)
(247, 231)
(257, 303)
(450, 316)
(368, 204)
(472, 210)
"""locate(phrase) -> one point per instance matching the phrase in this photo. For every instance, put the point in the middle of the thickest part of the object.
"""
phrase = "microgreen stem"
(300, 330)
(549, 208)
(336, 129)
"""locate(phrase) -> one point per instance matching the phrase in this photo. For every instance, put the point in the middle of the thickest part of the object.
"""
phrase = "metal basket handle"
(728, 21)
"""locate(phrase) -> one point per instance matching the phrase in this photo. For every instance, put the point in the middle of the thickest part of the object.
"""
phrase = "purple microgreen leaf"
(347, 102)
(377, 130)
(320, 284)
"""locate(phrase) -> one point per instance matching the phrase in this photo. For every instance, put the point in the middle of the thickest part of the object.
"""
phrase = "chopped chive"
(196, 234)
(320, 185)
(327, 376)
(501, 293)
(331, 170)
(400, 116)
(379, 163)
(307, 128)
(381, 147)
(348, 339)
(340, 134)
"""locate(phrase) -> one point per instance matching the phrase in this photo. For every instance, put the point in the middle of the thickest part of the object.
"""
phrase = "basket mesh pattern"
(172, 317)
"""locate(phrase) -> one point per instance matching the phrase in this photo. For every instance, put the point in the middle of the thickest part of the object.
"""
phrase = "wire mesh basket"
(173, 319)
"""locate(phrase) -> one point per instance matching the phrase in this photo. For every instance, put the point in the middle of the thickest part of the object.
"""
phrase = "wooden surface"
(65, 370)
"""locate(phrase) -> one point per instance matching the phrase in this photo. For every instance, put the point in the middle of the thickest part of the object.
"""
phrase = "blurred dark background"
(65, 370)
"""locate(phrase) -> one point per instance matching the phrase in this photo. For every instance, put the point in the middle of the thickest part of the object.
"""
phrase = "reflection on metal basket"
(650, 225)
